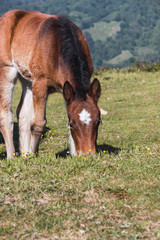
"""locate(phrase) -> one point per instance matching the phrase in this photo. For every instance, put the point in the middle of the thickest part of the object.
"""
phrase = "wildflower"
(50, 131)
(42, 136)
(101, 84)
(90, 150)
(104, 151)
(148, 150)
(23, 152)
(54, 130)
(14, 154)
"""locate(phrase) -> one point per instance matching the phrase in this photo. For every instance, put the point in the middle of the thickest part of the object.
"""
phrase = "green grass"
(119, 59)
(102, 30)
(112, 195)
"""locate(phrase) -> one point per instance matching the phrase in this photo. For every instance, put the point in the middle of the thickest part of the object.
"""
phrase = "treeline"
(138, 21)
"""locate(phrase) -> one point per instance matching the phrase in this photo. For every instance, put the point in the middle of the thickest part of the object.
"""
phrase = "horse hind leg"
(24, 116)
(7, 81)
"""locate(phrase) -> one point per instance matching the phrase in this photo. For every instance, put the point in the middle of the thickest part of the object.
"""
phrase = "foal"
(48, 54)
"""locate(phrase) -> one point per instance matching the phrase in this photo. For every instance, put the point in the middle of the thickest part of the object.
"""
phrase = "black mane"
(73, 55)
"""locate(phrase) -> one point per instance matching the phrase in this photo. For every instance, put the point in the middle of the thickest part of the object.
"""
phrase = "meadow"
(102, 30)
(114, 194)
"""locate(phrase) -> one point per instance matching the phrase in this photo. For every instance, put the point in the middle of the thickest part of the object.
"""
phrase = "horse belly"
(23, 70)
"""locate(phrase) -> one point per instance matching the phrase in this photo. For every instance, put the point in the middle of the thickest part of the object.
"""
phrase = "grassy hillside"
(102, 30)
(111, 27)
(112, 195)
(121, 58)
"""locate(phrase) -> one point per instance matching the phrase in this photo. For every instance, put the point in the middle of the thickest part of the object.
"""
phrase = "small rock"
(103, 112)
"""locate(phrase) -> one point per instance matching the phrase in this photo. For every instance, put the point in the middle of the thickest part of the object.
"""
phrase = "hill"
(111, 27)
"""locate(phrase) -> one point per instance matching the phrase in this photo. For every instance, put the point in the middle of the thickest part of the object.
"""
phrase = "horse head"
(83, 118)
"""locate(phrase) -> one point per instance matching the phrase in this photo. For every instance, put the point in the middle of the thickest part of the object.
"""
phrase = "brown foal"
(48, 54)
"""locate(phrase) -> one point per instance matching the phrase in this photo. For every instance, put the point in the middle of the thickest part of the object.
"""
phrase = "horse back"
(19, 30)
(39, 43)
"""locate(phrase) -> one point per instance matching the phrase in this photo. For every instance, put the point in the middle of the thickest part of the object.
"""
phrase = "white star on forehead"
(84, 116)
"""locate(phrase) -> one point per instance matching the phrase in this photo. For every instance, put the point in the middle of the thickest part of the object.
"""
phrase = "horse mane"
(74, 56)
(72, 52)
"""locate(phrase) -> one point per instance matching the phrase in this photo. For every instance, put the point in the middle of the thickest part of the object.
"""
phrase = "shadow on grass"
(100, 148)
(3, 154)
(108, 148)
(63, 154)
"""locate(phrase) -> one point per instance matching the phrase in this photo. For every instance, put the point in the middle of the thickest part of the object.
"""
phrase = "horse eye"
(70, 124)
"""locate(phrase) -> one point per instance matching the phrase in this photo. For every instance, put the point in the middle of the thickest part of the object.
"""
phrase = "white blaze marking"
(85, 116)
(72, 145)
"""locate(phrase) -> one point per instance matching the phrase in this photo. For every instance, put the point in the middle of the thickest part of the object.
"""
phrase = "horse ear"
(68, 92)
(95, 89)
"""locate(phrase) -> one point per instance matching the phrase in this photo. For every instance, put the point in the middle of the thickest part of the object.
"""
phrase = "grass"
(112, 195)
(123, 56)
(102, 30)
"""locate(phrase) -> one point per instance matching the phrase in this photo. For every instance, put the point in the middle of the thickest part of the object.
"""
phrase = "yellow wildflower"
(148, 150)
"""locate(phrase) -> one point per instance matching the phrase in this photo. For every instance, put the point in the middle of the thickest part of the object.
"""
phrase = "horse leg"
(24, 116)
(39, 105)
(7, 81)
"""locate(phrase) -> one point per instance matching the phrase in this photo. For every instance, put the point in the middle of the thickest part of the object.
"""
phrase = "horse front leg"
(39, 106)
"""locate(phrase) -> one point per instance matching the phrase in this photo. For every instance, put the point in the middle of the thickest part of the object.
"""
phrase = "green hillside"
(102, 30)
(112, 27)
